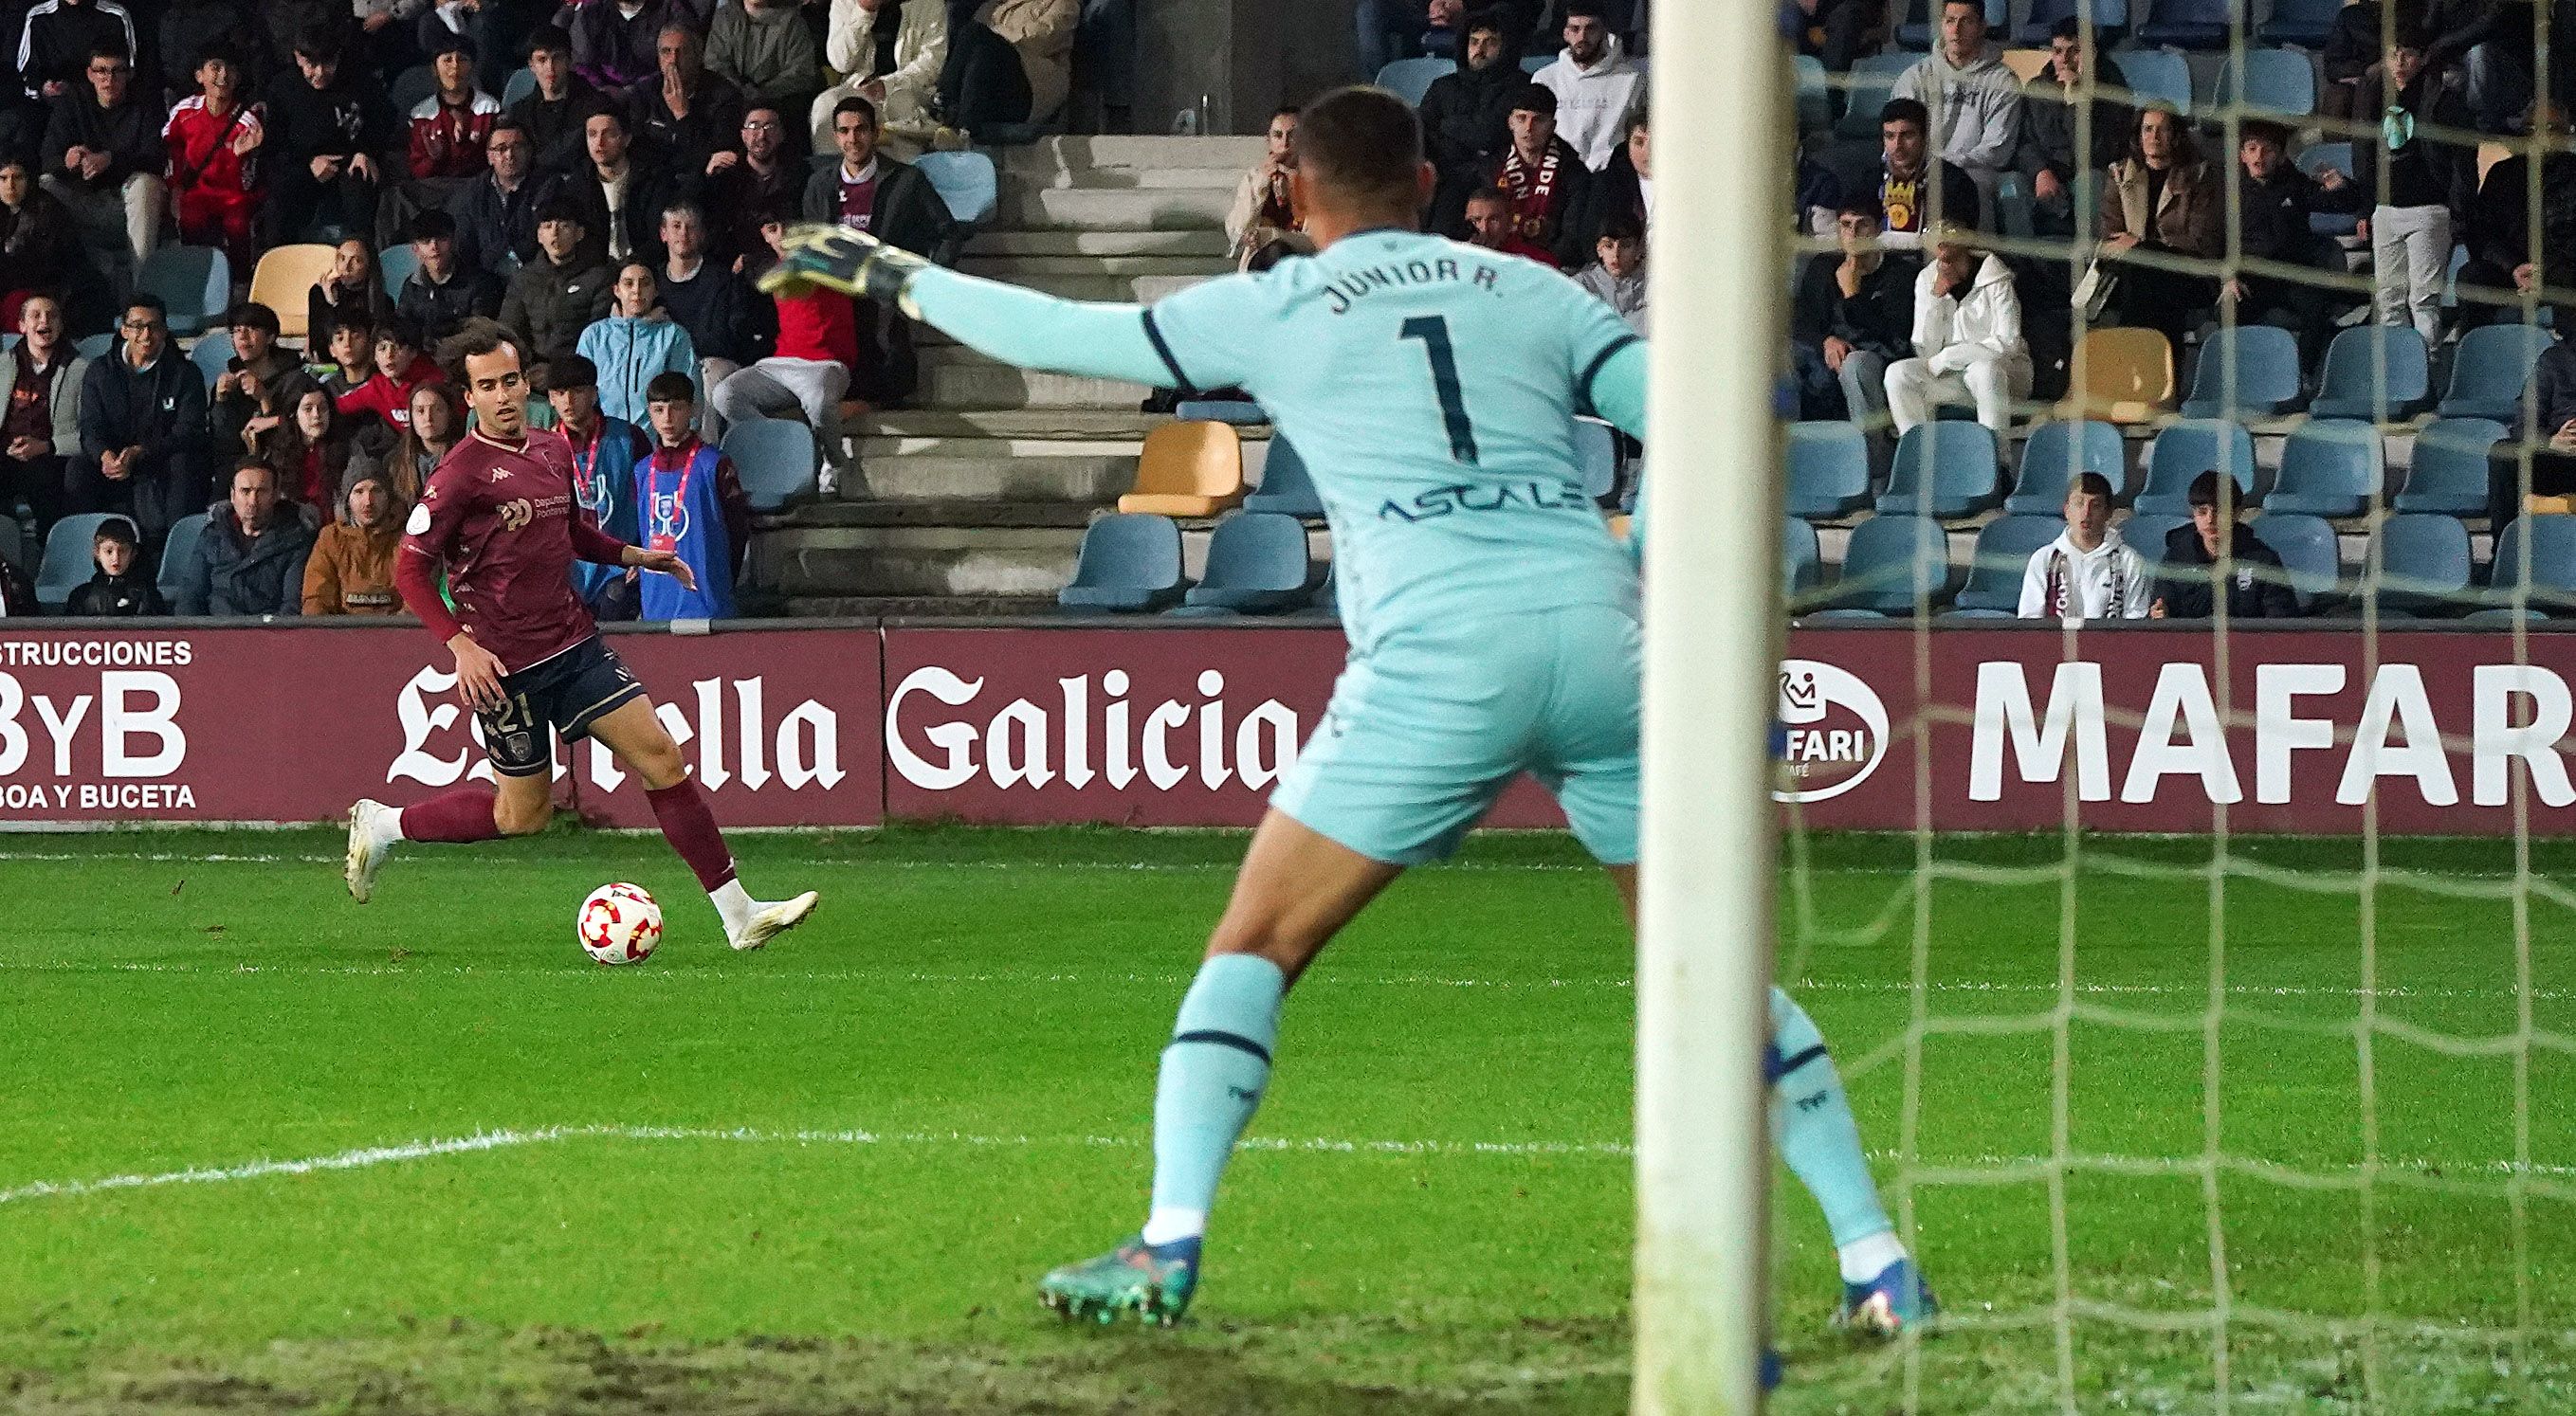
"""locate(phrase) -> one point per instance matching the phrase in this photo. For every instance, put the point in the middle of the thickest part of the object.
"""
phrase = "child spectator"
(352, 346)
(351, 570)
(605, 452)
(400, 366)
(310, 451)
(1618, 274)
(251, 559)
(119, 588)
(443, 293)
(2216, 547)
(2087, 572)
(435, 425)
(2427, 181)
(636, 342)
(703, 296)
(552, 298)
(690, 502)
(39, 248)
(352, 286)
(2275, 200)
(213, 139)
(40, 387)
(818, 343)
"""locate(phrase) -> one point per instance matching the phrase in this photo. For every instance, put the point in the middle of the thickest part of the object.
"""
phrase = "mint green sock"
(1817, 1134)
(1212, 1078)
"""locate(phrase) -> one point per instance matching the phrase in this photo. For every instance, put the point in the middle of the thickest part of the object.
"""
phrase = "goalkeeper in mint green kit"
(1493, 624)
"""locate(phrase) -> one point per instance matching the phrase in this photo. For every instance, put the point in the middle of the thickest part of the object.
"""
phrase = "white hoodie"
(1593, 105)
(1953, 331)
(2107, 582)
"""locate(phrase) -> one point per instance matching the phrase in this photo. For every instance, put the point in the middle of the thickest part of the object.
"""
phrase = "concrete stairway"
(974, 500)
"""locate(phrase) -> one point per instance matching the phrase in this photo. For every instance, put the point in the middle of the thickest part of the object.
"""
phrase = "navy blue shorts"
(567, 693)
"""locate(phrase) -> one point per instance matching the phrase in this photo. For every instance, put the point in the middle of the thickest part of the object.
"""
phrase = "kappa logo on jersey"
(1834, 731)
(500, 474)
(515, 515)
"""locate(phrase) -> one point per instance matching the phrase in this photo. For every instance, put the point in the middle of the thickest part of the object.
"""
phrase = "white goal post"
(1717, 286)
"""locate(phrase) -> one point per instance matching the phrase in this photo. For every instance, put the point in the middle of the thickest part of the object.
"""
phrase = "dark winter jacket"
(2425, 170)
(648, 189)
(248, 575)
(2257, 587)
(2552, 391)
(440, 309)
(2500, 220)
(161, 409)
(2048, 128)
(132, 593)
(350, 117)
(1466, 119)
(681, 146)
(2274, 214)
(55, 42)
(1879, 320)
(555, 126)
(909, 211)
(718, 310)
(548, 304)
(130, 133)
(493, 225)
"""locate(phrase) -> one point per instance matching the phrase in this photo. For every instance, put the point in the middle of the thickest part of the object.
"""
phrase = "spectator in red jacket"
(818, 348)
(401, 366)
(212, 137)
(449, 128)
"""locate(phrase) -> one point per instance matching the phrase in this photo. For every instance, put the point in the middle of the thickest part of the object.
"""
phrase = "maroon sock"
(691, 829)
(459, 816)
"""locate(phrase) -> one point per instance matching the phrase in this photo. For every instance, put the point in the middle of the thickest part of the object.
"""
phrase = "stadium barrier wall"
(1174, 723)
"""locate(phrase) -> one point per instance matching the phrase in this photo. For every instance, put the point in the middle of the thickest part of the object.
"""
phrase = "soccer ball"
(619, 924)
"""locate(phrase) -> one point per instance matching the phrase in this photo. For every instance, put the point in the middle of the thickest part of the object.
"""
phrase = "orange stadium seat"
(1188, 469)
(284, 282)
(2120, 375)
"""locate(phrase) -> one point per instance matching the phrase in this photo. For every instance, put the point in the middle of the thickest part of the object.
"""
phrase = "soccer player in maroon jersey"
(500, 514)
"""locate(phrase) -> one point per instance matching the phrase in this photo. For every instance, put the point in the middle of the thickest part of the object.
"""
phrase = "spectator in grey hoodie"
(1618, 274)
(1975, 101)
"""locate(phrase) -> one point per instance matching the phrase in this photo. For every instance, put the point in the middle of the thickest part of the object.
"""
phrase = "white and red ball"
(619, 924)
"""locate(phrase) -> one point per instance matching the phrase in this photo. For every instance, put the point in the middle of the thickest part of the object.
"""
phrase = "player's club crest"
(1833, 731)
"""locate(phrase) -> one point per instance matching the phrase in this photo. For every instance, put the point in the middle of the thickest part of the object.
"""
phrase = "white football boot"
(769, 919)
(373, 828)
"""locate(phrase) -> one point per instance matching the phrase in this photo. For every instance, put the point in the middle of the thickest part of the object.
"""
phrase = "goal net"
(2190, 923)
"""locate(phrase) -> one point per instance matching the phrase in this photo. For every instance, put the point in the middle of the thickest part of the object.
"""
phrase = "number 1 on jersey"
(1433, 331)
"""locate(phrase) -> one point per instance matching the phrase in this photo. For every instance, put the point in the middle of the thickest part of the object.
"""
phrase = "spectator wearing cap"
(259, 382)
(351, 568)
(40, 388)
(103, 158)
(2055, 109)
(1853, 316)
(605, 452)
(2274, 201)
(250, 561)
(1967, 338)
(2087, 573)
(636, 342)
(553, 115)
(551, 299)
(1544, 179)
(120, 587)
(213, 141)
(142, 428)
(1597, 90)
(1467, 117)
(2162, 200)
(2217, 549)
(1974, 101)
(441, 293)
(1917, 191)
(893, 52)
(496, 213)
(337, 140)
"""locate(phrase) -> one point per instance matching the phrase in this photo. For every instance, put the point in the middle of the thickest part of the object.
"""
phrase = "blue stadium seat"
(2145, 533)
(775, 458)
(2250, 370)
(1867, 88)
(2186, 449)
(1410, 79)
(1828, 470)
(2004, 549)
(94, 346)
(2156, 74)
(2489, 369)
(68, 560)
(2377, 372)
(410, 87)
(178, 553)
(2329, 467)
(2277, 82)
(2305, 23)
(1895, 565)
(396, 264)
(195, 282)
(2189, 24)
(2449, 474)
(2451, 277)
(1241, 412)
(211, 354)
(2013, 210)
(1532, 63)
(1945, 470)
(967, 183)
(2424, 564)
(1802, 563)
(1596, 452)
(2551, 574)
(1815, 97)
(2308, 551)
(1256, 564)
(2501, 615)
(2110, 21)
(1128, 561)
(1287, 488)
(2051, 456)
(2320, 158)
(521, 84)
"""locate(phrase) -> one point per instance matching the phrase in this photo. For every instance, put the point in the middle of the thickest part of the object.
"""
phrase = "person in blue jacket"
(636, 342)
(604, 453)
(688, 499)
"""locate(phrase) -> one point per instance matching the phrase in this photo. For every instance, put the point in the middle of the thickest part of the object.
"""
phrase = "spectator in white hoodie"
(1976, 102)
(1968, 341)
(2087, 572)
(1597, 90)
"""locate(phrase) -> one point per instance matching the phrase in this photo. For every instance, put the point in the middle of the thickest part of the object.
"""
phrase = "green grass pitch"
(265, 1150)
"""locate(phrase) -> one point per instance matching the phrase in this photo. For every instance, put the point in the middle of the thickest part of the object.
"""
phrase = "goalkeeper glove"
(816, 256)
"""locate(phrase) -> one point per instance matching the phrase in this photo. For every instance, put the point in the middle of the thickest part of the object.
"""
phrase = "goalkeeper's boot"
(769, 919)
(1889, 1304)
(1153, 1281)
(373, 828)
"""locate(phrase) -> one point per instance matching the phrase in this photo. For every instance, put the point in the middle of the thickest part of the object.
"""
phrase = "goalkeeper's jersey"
(1431, 388)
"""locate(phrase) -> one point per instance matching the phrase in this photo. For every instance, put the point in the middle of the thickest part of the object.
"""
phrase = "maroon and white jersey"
(504, 520)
